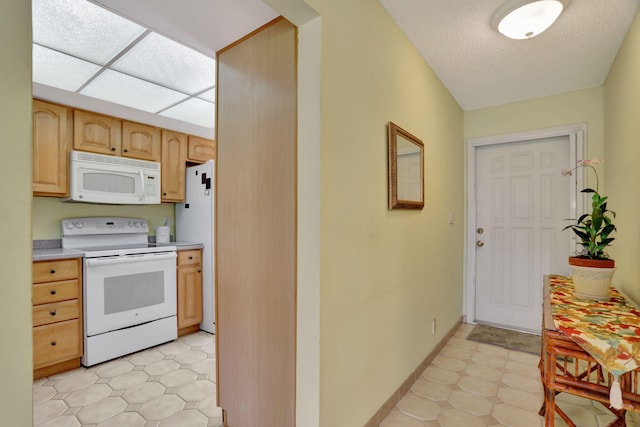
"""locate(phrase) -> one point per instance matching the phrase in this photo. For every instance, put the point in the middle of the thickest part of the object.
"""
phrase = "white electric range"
(129, 286)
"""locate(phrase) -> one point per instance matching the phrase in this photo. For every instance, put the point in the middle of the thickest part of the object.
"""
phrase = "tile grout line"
(192, 390)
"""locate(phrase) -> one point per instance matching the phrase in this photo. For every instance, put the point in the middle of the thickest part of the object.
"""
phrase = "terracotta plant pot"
(588, 262)
(591, 277)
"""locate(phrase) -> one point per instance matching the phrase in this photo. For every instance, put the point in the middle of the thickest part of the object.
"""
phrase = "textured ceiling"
(481, 68)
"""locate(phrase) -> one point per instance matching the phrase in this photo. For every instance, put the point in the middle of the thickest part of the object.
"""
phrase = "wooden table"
(565, 367)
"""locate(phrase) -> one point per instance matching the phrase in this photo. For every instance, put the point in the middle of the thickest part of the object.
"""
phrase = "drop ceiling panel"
(193, 110)
(81, 29)
(209, 95)
(159, 59)
(122, 89)
(59, 70)
(77, 41)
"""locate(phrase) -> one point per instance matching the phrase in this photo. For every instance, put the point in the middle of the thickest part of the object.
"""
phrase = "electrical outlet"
(433, 327)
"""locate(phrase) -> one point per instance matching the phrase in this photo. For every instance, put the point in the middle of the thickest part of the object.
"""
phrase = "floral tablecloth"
(608, 330)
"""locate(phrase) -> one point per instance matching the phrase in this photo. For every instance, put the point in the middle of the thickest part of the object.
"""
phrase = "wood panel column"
(256, 227)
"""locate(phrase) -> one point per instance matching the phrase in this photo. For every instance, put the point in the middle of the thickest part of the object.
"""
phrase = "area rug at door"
(513, 340)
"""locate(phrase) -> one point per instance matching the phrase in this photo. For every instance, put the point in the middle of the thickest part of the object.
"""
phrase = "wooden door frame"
(577, 137)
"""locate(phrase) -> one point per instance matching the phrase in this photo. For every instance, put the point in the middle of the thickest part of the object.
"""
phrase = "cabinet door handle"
(126, 151)
(113, 148)
(199, 271)
(53, 271)
(53, 312)
(190, 257)
(53, 343)
(53, 292)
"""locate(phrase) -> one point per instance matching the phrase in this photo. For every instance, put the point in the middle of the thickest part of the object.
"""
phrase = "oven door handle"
(131, 258)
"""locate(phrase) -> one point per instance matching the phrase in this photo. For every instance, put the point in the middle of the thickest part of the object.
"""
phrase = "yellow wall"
(384, 274)
(622, 156)
(15, 217)
(583, 106)
(48, 211)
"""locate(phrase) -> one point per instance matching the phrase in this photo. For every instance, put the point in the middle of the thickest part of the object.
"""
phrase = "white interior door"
(522, 201)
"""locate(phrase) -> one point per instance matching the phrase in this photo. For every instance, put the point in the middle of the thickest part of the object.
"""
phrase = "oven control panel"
(104, 225)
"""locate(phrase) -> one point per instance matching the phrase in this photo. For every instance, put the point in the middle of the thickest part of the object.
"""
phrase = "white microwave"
(95, 178)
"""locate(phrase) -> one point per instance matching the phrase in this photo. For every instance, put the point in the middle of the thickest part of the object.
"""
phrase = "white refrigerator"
(194, 223)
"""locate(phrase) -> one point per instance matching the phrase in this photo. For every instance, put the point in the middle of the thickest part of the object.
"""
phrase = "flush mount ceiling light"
(524, 19)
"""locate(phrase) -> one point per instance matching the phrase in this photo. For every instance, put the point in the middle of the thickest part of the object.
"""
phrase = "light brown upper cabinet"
(96, 133)
(51, 134)
(201, 149)
(140, 141)
(174, 157)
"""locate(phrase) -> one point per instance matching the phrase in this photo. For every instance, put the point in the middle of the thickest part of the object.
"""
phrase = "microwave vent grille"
(113, 160)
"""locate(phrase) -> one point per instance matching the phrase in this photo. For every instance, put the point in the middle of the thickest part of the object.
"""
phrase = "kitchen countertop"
(183, 246)
(61, 253)
(55, 253)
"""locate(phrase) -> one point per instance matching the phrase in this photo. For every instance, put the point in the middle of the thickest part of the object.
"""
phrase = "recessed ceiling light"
(524, 19)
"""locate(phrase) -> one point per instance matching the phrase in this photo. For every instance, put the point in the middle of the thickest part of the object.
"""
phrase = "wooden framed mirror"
(406, 169)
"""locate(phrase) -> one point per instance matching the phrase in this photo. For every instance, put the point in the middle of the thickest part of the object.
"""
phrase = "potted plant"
(592, 269)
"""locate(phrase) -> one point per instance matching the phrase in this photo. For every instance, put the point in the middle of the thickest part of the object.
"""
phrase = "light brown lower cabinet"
(189, 278)
(57, 316)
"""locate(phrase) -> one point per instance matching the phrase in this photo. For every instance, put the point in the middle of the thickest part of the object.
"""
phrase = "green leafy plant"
(593, 229)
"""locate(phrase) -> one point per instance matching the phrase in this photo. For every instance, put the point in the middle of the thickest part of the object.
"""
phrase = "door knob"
(479, 243)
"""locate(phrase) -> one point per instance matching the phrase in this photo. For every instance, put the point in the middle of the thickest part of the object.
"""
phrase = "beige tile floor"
(478, 385)
(467, 385)
(169, 385)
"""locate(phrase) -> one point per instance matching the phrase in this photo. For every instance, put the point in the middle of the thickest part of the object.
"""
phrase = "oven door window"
(120, 295)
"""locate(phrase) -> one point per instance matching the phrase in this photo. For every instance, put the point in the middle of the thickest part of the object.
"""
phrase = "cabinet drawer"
(56, 342)
(46, 293)
(56, 312)
(192, 257)
(49, 271)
